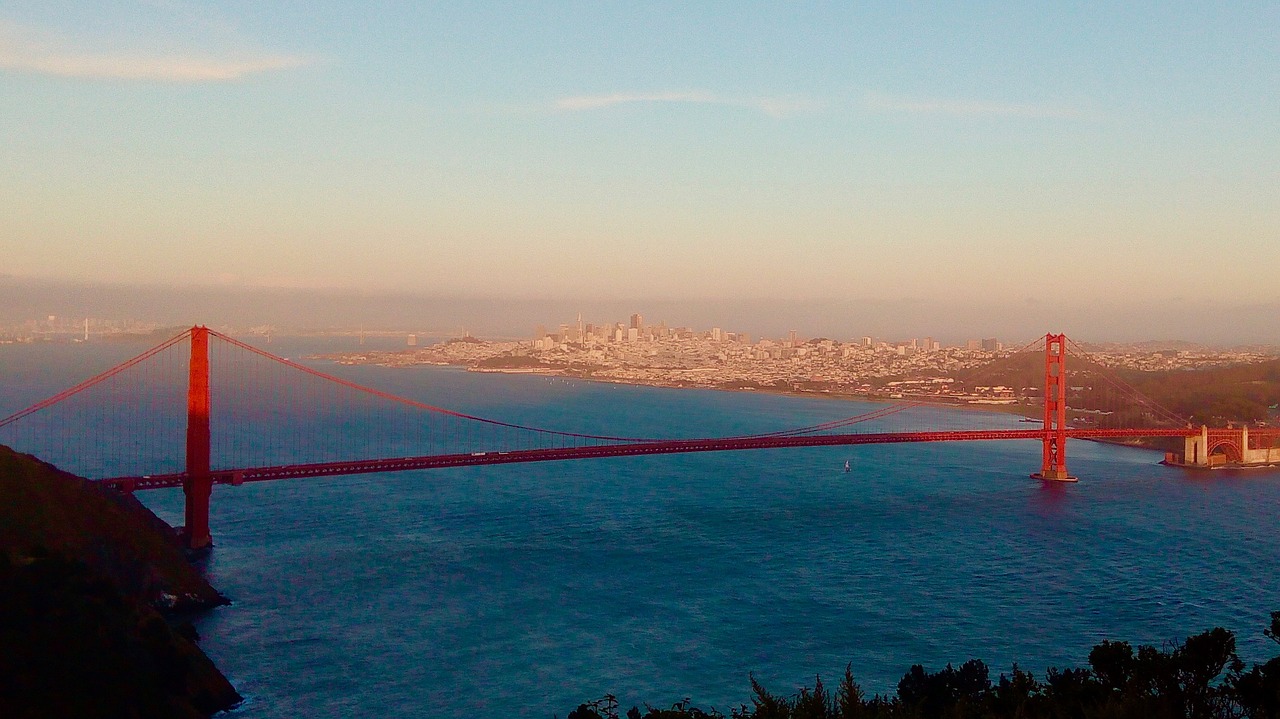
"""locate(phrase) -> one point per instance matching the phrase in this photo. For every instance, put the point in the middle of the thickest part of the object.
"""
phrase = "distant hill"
(1148, 346)
(1245, 393)
(82, 572)
(1240, 393)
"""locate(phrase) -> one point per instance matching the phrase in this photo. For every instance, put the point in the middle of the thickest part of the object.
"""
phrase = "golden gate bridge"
(239, 413)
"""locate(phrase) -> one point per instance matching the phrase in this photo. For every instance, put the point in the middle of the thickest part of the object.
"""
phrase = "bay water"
(524, 590)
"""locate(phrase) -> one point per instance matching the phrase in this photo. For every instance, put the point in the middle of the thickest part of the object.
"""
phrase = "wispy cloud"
(24, 49)
(772, 106)
(972, 108)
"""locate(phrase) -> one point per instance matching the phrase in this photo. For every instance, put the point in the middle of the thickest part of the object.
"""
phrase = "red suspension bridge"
(127, 427)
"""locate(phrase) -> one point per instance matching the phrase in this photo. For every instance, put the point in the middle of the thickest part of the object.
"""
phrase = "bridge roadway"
(674, 446)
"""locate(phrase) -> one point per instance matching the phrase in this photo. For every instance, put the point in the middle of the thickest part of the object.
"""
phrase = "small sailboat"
(846, 465)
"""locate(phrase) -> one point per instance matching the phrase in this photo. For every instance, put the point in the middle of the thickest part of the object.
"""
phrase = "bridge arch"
(1229, 447)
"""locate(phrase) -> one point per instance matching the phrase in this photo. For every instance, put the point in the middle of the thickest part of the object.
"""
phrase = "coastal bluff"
(85, 575)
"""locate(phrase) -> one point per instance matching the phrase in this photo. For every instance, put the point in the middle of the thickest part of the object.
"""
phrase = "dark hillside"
(82, 572)
(72, 645)
(42, 506)
(1026, 370)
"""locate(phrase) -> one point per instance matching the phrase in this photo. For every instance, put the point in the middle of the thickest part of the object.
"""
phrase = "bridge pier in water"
(1211, 448)
(1054, 459)
(197, 485)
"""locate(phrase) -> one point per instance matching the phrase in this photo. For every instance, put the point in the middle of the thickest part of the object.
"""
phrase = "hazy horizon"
(888, 318)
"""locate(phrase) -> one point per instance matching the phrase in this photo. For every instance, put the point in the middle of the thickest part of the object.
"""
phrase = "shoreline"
(1010, 409)
(1002, 408)
(1027, 413)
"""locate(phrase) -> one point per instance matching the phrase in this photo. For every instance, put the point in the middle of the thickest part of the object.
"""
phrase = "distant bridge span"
(462, 440)
(472, 459)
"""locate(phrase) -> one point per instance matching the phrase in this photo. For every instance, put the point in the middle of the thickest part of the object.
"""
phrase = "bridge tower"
(198, 483)
(1054, 464)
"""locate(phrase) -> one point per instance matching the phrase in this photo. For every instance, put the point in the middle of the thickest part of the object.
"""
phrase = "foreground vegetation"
(1202, 678)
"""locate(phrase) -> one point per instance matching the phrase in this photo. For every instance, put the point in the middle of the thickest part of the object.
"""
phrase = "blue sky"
(951, 153)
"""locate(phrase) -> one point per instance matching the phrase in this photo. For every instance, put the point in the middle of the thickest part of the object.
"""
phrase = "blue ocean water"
(523, 590)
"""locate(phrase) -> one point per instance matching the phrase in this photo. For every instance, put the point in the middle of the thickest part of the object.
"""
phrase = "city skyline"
(969, 159)
(138, 318)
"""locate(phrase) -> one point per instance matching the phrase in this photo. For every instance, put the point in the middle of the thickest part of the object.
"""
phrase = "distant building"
(990, 344)
(637, 321)
(412, 341)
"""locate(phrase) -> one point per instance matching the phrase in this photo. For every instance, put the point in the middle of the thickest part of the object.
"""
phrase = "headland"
(94, 595)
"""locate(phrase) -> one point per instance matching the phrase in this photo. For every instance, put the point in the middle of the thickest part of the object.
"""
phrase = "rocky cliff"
(84, 575)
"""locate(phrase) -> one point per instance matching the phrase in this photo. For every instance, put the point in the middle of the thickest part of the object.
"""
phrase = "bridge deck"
(678, 446)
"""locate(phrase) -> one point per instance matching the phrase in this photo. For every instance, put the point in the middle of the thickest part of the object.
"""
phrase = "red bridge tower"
(1054, 465)
(198, 483)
